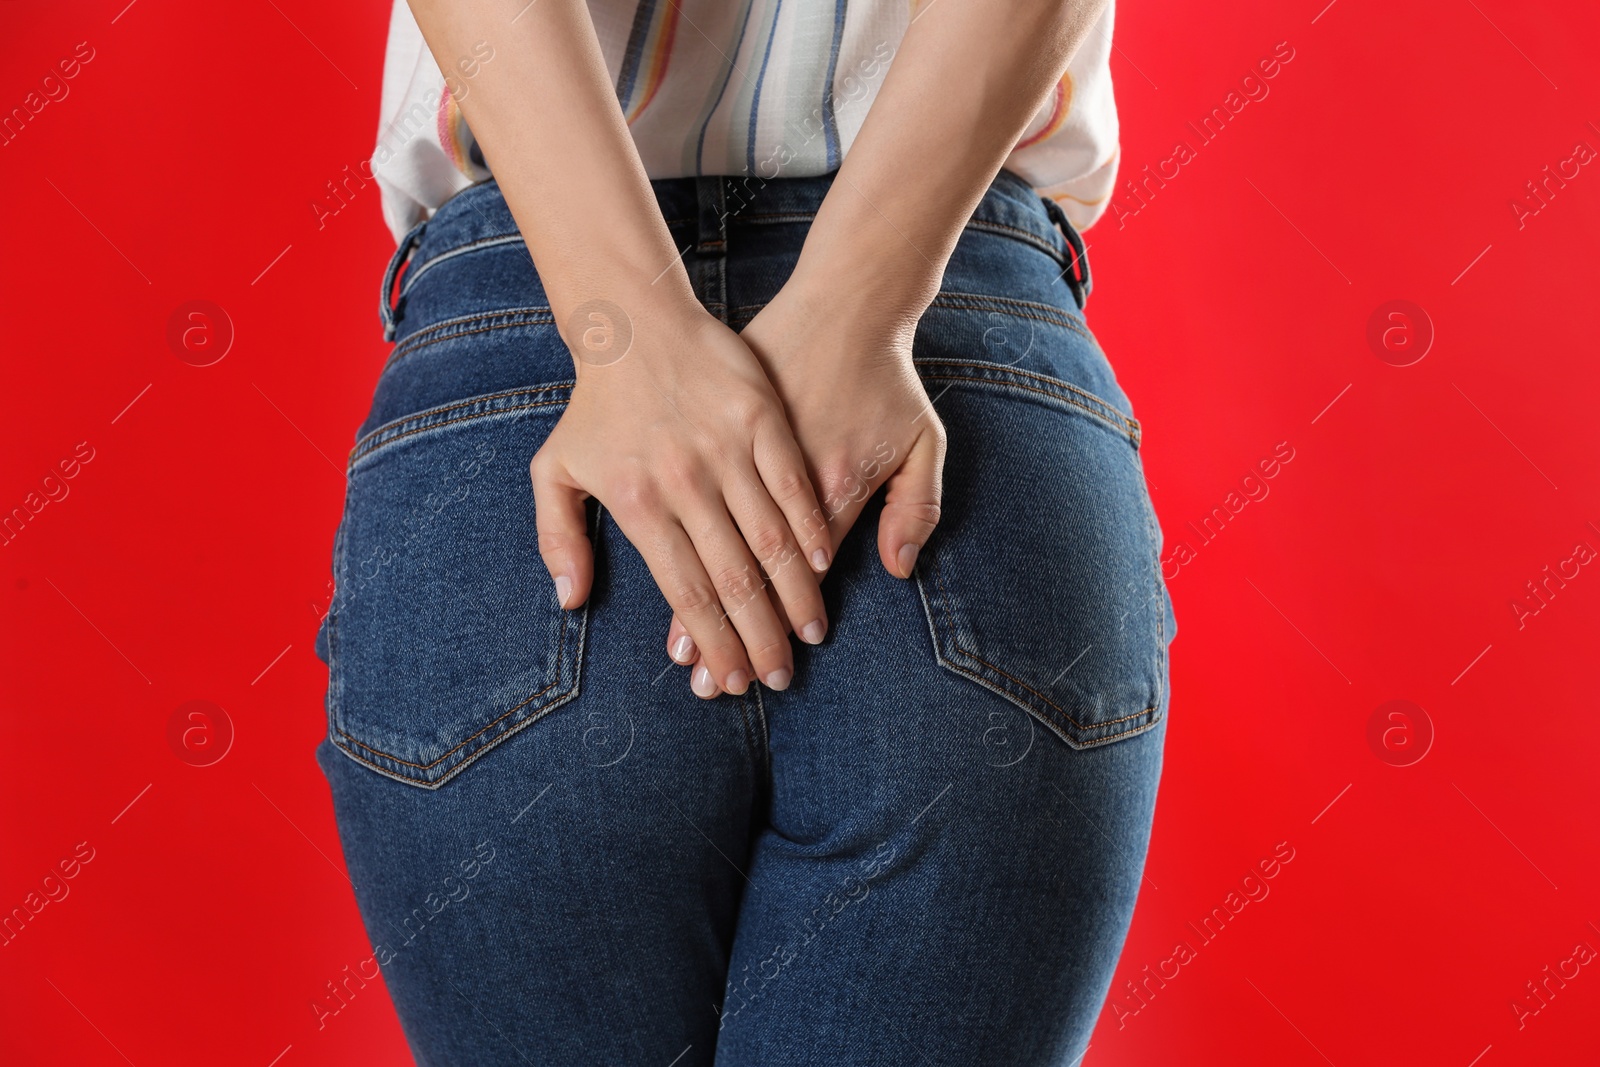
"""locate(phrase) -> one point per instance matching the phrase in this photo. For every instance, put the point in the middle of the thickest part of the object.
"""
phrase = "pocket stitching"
(938, 576)
(561, 646)
(1055, 727)
(533, 716)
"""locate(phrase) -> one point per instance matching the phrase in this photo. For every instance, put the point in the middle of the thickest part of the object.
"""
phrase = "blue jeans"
(926, 850)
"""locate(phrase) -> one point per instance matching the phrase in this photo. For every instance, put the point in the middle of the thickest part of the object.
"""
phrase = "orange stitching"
(1037, 240)
(1094, 741)
(1132, 434)
(462, 320)
(360, 445)
(1008, 306)
(1047, 700)
(776, 216)
(468, 403)
(1057, 382)
(560, 646)
(406, 347)
(425, 766)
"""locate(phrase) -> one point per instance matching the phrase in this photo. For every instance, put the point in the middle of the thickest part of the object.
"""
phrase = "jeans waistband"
(478, 215)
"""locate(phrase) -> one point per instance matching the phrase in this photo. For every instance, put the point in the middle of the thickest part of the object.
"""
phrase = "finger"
(911, 506)
(680, 646)
(782, 469)
(675, 564)
(792, 583)
(700, 677)
(562, 523)
(748, 613)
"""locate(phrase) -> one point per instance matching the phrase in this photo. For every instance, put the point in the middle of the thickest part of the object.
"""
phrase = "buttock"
(1041, 583)
(949, 807)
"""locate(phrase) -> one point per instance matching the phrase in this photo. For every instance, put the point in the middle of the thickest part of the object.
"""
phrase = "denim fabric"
(926, 850)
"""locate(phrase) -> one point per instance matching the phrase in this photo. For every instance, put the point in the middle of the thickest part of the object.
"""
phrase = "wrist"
(603, 317)
(864, 275)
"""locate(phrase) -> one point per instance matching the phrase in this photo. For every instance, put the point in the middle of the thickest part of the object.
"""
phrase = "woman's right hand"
(674, 427)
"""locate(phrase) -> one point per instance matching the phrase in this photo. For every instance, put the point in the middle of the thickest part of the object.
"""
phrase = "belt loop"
(1077, 272)
(389, 308)
(711, 245)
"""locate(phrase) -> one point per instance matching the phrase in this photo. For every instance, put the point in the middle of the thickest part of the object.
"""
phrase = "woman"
(783, 291)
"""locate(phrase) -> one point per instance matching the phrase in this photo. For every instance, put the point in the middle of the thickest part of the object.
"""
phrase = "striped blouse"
(762, 87)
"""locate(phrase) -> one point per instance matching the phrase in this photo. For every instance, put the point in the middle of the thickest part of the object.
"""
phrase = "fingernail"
(683, 649)
(779, 679)
(737, 682)
(819, 560)
(563, 589)
(813, 632)
(907, 559)
(702, 683)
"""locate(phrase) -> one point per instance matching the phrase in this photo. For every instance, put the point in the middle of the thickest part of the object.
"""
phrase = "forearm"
(968, 78)
(546, 116)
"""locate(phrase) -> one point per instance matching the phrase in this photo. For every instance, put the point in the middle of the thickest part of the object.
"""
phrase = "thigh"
(567, 894)
(541, 825)
(944, 881)
(964, 776)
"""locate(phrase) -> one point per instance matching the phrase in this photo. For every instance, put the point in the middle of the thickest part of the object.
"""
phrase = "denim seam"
(763, 753)
(459, 250)
(1130, 432)
(1153, 536)
(1076, 742)
(1027, 237)
(999, 229)
(428, 420)
(526, 316)
(751, 747)
(777, 216)
(1022, 309)
(1026, 309)
(396, 356)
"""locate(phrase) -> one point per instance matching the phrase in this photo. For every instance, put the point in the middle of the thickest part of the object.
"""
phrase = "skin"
(735, 463)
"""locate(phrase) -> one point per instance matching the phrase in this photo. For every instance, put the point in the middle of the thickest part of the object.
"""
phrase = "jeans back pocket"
(1042, 581)
(445, 636)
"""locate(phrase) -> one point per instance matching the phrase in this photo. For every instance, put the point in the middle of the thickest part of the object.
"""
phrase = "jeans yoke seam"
(1129, 431)
(529, 316)
(363, 449)
(1027, 309)
(459, 250)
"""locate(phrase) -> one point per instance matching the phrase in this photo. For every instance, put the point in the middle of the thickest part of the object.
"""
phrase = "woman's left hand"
(839, 355)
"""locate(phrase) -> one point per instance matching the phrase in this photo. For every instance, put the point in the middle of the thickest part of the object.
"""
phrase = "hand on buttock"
(675, 428)
(839, 356)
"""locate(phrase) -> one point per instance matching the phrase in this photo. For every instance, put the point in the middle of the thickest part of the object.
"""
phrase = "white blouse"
(760, 87)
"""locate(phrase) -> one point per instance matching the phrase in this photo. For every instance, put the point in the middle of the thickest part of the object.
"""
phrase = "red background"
(193, 548)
